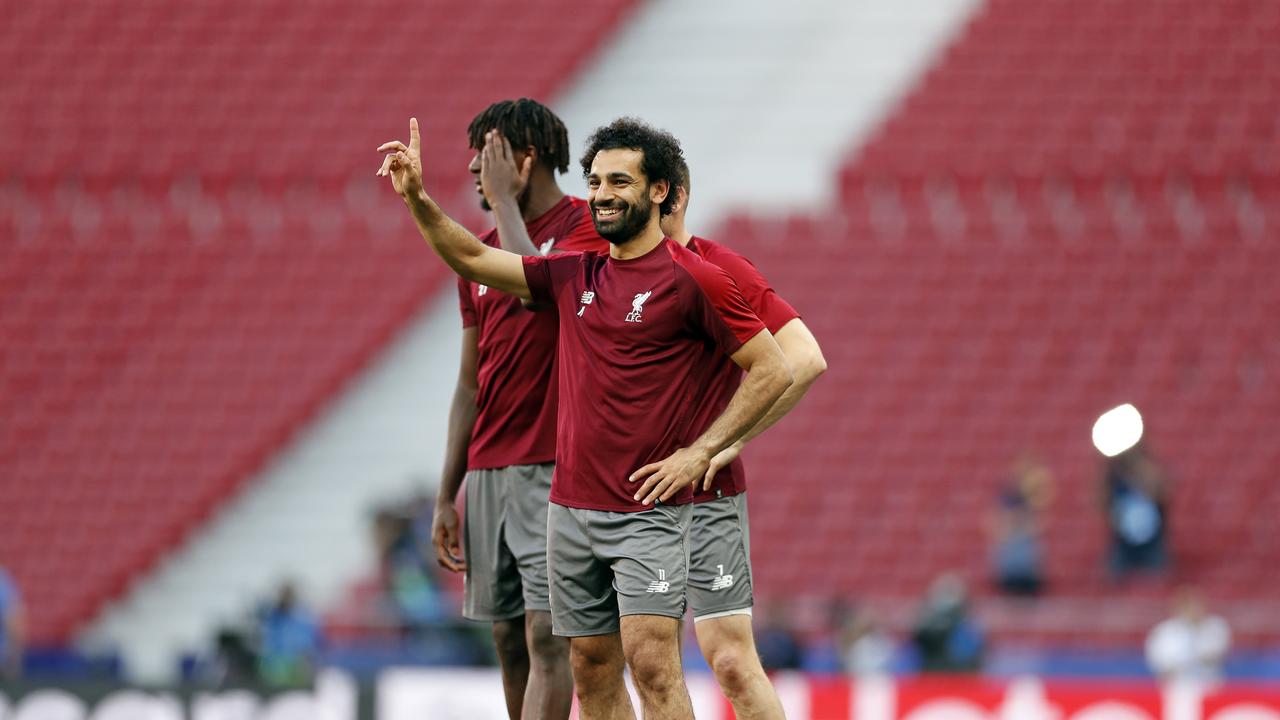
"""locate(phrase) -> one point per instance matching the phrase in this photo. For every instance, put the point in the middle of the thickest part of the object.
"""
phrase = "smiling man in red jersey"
(641, 329)
(503, 416)
(720, 583)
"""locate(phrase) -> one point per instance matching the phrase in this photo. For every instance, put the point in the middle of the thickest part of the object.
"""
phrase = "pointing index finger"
(415, 140)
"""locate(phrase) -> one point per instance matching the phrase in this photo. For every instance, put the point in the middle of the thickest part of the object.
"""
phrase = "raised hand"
(445, 537)
(500, 179)
(665, 478)
(403, 164)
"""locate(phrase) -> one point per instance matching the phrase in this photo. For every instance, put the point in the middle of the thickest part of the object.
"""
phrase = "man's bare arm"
(803, 354)
(465, 254)
(767, 377)
(462, 420)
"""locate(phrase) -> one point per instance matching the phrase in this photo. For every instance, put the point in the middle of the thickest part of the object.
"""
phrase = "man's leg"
(549, 694)
(649, 551)
(597, 662)
(652, 647)
(493, 590)
(730, 650)
(584, 607)
(721, 593)
(513, 659)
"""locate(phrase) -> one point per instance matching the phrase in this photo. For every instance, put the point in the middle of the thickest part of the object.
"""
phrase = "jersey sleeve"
(580, 234)
(546, 275)
(465, 306)
(716, 306)
(773, 311)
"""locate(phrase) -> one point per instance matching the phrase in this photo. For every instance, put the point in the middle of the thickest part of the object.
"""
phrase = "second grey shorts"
(720, 558)
(604, 565)
(505, 541)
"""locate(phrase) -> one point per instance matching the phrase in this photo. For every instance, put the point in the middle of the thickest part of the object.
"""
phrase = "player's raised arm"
(468, 257)
(767, 377)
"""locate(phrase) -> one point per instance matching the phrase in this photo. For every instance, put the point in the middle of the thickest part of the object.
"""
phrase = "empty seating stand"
(1078, 206)
(197, 252)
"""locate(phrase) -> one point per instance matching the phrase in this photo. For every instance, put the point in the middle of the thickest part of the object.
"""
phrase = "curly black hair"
(661, 159)
(526, 123)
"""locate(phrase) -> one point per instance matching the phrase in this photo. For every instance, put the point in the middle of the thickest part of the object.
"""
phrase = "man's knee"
(595, 659)
(653, 653)
(508, 639)
(734, 666)
(730, 650)
(653, 670)
(543, 644)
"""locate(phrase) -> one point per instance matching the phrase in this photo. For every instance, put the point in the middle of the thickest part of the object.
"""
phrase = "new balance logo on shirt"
(659, 585)
(637, 306)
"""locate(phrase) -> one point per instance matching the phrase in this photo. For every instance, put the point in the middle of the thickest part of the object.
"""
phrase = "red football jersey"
(774, 312)
(517, 384)
(639, 341)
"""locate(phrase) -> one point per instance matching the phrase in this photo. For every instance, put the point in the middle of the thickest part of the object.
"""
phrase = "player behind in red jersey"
(640, 331)
(720, 581)
(502, 432)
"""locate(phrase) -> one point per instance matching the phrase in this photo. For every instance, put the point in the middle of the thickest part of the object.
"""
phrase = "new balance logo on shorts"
(661, 584)
(722, 581)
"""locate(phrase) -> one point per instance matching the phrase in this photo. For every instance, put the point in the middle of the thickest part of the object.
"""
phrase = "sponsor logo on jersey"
(545, 247)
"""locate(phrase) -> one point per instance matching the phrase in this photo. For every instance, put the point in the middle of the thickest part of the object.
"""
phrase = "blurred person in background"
(947, 639)
(1135, 498)
(234, 662)
(776, 641)
(502, 423)
(289, 640)
(1016, 530)
(1191, 645)
(12, 629)
(403, 537)
(866, 648)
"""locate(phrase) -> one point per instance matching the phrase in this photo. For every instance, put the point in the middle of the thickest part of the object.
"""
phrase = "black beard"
(484, 204)
(630, 222)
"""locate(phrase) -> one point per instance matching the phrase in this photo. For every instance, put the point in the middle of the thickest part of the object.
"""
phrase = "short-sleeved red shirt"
(774, 312)
(517, 385)
(639, 341)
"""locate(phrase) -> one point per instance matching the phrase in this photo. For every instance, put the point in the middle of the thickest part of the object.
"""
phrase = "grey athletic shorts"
(605, 565)
(720, 558)
(505, 541)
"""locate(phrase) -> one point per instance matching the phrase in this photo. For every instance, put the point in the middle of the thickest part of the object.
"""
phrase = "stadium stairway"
(750, 87)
